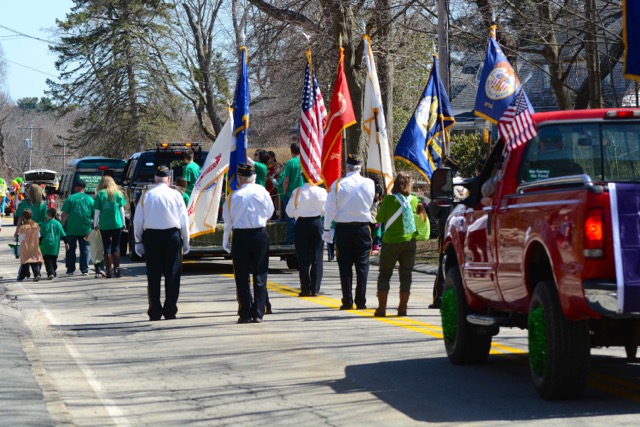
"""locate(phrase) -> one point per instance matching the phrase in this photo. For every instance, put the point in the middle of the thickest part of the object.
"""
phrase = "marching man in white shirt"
(245, 214)
(306, 205)
(349, 204)
(161, 233)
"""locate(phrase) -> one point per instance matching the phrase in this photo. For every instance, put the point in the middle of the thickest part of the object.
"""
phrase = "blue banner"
(631, 34)
(241, 122)
(625, 208)
(422, 142)
(498, 84)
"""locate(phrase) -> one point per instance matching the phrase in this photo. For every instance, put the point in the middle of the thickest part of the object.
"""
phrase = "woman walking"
(109, 219)
(397, 212)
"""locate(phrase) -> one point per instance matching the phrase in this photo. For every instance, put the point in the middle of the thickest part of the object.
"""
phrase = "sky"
(28, 62)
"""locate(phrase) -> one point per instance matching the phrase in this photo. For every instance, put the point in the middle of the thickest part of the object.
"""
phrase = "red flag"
(312, 121)
(341, 117)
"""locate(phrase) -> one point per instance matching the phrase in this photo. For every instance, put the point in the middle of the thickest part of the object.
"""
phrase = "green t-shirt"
(395, 232)
(51, 232)
(261, 173)
(110, 218)
(292, 170)
(186, 198)
(79, 210)
(39, 212)
(191, 173)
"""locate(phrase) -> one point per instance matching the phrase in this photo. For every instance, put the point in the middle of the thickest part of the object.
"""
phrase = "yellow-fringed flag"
(207, 191)
(374, 123)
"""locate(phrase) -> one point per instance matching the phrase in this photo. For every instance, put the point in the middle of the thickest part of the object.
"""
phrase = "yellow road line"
(603, 382)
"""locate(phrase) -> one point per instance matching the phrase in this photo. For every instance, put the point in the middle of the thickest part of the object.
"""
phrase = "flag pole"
(375, 121)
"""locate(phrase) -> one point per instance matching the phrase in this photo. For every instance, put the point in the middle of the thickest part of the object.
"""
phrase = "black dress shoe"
(361, 307)
(346, 307)
(243, 320)
(268, 310)
(304, 294)
(436, 304)
(257, 320)
(172, 317)
(154, 319)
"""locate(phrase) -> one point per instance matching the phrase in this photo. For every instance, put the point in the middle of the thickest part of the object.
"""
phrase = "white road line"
(113, 410)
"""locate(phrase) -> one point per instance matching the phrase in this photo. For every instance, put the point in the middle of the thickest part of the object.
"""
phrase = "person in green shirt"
(36, 201)
(290, 179)
(109, 219)
(51, 232)
(260, 159)
(181, 185)
(190, 171)
(77, 216)
(397, 214)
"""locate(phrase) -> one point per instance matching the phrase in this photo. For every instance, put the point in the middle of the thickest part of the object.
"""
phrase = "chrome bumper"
(602, 297)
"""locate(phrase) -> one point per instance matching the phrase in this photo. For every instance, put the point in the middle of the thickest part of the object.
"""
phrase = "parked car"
(44, 177)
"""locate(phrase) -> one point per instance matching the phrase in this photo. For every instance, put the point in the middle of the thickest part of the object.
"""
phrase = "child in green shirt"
(51, 232)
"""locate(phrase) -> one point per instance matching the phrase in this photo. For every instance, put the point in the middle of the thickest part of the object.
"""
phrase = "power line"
(31, 68)
(25, 35)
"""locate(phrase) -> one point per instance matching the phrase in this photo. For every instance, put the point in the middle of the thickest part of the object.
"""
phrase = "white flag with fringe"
(204, 203)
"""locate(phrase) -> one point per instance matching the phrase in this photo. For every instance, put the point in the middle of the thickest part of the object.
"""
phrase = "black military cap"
(354, 159)
(163, 171)
(245, 170)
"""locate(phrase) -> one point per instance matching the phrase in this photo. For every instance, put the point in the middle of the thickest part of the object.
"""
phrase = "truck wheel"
(465, 343)
(558, 347)
(292, 262)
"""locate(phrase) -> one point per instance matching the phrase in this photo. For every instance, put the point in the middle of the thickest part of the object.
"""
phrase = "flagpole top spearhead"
(492, 30)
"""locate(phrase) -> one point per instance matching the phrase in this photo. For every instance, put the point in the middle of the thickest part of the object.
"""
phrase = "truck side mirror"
(442, 187)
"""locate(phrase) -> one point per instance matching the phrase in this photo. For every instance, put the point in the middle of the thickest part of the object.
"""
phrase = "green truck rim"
(449, 315)
(537, 341)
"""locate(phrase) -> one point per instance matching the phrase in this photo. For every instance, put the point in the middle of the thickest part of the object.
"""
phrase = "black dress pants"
(250, 254)
(163, 257)
(309, 248)
(353, 241)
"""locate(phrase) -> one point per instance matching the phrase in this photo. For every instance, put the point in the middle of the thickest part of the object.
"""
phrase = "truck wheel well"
(537, 267)
(451, 259)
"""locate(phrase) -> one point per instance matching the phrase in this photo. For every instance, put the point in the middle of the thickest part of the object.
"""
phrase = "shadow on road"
(434, 390)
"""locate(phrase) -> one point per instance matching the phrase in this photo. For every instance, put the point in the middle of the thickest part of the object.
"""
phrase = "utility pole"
(29, 142)
(443, 43)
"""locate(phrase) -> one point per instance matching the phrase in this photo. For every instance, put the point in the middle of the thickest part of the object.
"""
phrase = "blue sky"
(35, 18)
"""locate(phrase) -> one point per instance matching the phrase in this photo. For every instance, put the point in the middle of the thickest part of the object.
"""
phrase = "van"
(90, 170)
(44, 177)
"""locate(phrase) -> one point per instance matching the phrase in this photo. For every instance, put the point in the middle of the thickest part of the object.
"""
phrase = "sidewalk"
(21, 399)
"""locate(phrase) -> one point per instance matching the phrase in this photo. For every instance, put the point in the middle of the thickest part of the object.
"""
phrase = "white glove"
(185, 248)
(326, 236)
(140, 249)
(227, 246)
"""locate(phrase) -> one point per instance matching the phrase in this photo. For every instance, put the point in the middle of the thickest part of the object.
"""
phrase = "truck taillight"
(594, 233)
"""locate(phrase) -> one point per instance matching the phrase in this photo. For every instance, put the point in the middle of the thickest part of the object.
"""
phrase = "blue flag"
(498, 84)
(241, 122)
(631, 34)
(422, 142)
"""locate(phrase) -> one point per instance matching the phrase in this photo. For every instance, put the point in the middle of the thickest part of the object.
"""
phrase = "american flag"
(516, 125)
(312, 121)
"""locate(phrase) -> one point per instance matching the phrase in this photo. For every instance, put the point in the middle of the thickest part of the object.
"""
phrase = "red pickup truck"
(548, 240)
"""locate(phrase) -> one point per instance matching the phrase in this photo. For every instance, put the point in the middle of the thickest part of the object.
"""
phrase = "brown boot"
(107, 264)
(402, 307)
(116, 265)
(381, 311)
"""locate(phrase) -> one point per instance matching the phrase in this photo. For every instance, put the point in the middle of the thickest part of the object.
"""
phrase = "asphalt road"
(80, 351)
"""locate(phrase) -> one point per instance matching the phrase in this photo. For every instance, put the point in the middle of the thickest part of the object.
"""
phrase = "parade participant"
(290, 179)
(51, 233)
(181, 187)
(306, 205)
(397, 212)
(260, 159)
(3, 198)
(349, 204)
(109, 219)
(162, 235)
(35, 200)
(29, 238)
(77, 216)
(246, 215)
(190, 171)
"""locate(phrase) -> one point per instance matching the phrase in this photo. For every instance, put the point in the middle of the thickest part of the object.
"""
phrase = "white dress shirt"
(349, 200)
(249, 207)
(161, 208)
(307, 201)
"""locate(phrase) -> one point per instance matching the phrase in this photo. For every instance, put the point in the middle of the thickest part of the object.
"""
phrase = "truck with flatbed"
(139, 176)
(548, 240)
